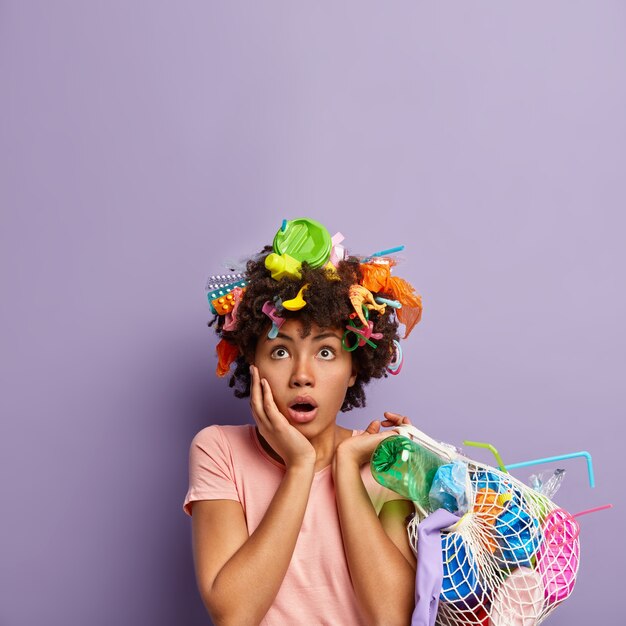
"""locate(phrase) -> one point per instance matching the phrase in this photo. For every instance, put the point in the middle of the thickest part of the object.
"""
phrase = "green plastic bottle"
(405, 467)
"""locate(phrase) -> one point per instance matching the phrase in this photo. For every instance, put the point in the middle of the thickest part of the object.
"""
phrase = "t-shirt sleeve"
(210, 469)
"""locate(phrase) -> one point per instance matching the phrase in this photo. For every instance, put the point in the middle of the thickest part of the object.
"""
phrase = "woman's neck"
(324, 444)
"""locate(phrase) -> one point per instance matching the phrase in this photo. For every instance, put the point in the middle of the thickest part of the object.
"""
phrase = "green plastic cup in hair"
(304, 240)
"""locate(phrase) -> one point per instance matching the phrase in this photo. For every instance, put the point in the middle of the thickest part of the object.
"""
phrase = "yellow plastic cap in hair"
(281, 265)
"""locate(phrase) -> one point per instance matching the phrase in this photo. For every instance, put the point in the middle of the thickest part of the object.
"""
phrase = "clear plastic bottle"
(405, 467)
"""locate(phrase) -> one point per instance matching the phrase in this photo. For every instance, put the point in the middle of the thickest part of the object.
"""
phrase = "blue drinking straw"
(550, 459)
(560, 457)
(388, 251)
(383, 253)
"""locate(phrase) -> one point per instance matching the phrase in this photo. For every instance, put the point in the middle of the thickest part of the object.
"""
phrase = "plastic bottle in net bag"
(405, 467)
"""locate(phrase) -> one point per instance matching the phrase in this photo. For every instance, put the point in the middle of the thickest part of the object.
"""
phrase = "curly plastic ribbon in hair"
(378, 279)
(227, 353)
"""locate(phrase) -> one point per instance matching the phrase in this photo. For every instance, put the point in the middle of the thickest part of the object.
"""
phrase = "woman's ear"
(353, 376)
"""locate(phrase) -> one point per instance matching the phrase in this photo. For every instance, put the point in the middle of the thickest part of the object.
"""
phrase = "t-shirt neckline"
(273, 461)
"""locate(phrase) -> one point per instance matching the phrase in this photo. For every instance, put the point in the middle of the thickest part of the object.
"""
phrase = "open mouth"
(303, 407)
(302, 410)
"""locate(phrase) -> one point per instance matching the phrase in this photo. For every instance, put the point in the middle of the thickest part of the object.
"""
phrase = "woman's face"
(308, 376)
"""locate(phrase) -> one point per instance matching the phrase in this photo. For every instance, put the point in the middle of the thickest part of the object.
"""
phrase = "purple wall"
(142, 144)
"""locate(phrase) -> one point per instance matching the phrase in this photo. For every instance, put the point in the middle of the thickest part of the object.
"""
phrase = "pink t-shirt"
(228, 463)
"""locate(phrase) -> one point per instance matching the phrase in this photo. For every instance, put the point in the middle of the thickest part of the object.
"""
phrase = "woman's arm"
(239, 575)
(380, 559)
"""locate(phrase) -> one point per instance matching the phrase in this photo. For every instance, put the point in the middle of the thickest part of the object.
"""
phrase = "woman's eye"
(279, 353)
(327, 354)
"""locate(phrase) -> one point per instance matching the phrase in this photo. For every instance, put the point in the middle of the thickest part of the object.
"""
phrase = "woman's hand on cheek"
(288, 442)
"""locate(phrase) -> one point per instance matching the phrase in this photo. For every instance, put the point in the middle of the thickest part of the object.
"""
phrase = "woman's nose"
(302, 376)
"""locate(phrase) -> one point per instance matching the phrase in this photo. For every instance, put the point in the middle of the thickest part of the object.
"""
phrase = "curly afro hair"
(328, 306)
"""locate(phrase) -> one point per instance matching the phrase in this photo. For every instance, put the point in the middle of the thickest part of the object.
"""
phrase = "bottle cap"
(304, 240)
(281, 265)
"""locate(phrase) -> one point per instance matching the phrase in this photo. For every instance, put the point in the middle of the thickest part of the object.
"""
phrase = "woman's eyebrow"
(283, 336)
(326, 335)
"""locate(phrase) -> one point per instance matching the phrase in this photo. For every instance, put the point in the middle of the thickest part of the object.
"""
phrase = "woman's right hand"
(286, 440)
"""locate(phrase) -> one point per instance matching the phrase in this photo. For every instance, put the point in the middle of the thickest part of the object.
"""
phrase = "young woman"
(289, 526)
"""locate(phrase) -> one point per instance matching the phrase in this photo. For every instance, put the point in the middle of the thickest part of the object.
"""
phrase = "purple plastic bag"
(429, 573)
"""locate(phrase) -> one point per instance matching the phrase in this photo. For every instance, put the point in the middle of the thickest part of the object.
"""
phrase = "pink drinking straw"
(572, 535)
(597, 508)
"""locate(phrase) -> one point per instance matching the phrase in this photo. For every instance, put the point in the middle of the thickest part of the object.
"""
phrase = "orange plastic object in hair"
(226, 354)
(360, 296)
(377, 278)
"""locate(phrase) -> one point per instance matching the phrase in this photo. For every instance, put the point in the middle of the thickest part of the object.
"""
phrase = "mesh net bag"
(513, 555)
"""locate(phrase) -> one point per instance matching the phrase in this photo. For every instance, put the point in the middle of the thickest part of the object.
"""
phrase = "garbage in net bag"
(511, 555)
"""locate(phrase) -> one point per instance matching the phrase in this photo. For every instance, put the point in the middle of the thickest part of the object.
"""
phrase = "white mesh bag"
(511, 558)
